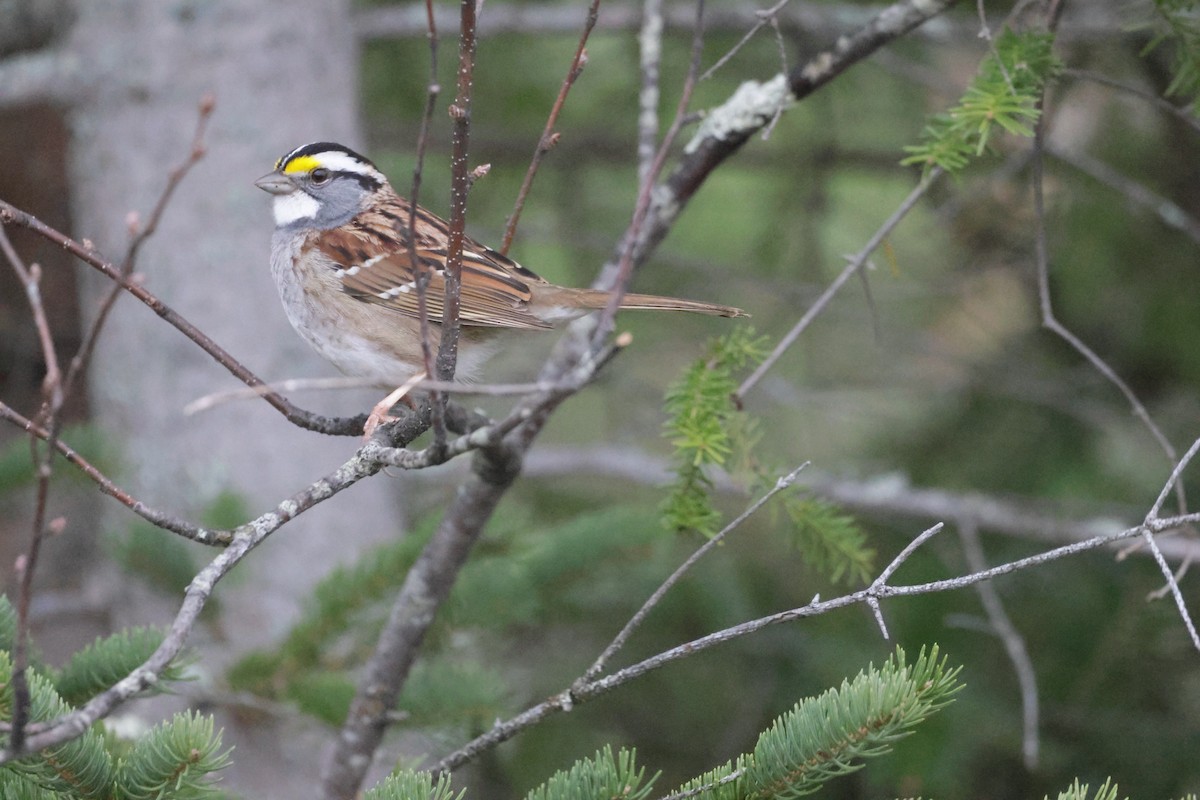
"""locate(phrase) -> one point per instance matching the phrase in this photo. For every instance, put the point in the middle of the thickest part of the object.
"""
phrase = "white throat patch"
(289, 208)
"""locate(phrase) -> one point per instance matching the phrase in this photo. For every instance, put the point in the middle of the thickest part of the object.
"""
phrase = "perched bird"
(340, 257)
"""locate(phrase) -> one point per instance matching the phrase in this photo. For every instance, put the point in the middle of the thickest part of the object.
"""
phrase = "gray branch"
(885, 496)
(810, 19)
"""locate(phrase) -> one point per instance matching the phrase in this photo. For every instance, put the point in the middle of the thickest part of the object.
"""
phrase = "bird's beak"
(275, 183)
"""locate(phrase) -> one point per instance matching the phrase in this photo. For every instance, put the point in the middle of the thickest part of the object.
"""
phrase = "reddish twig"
(338, 426)
(460, 188)
(433, 89)
(84, 355)
(155, 517)
(549, 138)
(52, 400)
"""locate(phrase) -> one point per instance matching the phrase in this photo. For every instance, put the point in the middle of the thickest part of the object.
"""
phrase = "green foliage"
(699, 408)
(168, 563)
(324, 694)
(1077, 791)
(830, 539)
(165, 561)
(410, 785)
(80, 767)
(107, 660)
(518, 577)
(336, 603)
(827, 736)
(1005, 94)
(1180, 24)
(8, 624)
(175, 760)
(707, 432)
(601, 776)
(444, 688)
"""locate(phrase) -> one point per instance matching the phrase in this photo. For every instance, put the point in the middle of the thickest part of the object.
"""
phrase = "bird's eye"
(320, 176)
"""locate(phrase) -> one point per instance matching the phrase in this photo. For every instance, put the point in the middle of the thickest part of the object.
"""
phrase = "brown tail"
(589, 298)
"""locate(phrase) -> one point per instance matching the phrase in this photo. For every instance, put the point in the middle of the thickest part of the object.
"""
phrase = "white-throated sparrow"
(340, 258)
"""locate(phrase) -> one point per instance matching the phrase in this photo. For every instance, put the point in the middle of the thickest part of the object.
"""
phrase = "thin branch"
(856, 263)
(1175, 592)
(210, 401)
(460, 187)
(52, 400)
(153, 516)
(1173, 480)
(768, 16)
(73, 724)
(571, 698)
(886, 496)
(424, 276)
(549, 137)
(1050, 320)
(1168, 212)
(1014, 643)
(636, 620)
(337, 426)
(196, 152)
(1172, 584)
(1181, 113)
(880, 583)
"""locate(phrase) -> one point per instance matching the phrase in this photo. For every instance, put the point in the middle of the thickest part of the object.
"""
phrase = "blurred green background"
(945, 377)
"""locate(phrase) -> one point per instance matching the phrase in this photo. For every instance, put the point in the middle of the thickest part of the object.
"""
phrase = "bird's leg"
(379, 414)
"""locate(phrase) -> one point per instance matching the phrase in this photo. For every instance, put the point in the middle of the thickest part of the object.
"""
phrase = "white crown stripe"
(343, 162)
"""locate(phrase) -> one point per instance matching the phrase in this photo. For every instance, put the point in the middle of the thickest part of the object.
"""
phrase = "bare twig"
(432, 90)
(210, 401)
(985, 33)
(1050, 320)
(766, 16)
(618, 642)
(855, 264)
(879, 590)
(71, 725)
(153, 516)
(1182, 113)
(879, 585)
(1014, 643)
(1172, 584)
(1168, 212)
(460, 187)
(338, 426)
(52, 400)
(549, 137)
(196, 152)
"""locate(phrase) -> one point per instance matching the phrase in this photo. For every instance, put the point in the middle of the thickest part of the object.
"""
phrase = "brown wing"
(372, 258)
